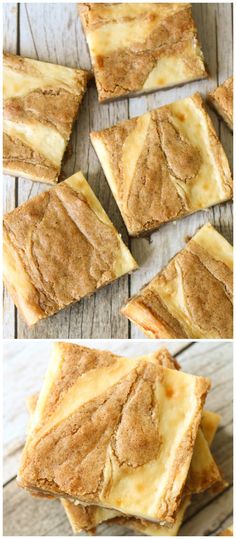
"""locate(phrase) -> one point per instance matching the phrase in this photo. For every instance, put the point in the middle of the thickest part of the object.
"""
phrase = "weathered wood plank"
(10, 16)
(19, 509)
(205, 522)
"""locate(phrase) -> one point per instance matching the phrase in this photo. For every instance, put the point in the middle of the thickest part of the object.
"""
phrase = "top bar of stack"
(109, 427)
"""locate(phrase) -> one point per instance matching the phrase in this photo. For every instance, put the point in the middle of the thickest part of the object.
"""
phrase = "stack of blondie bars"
(120, 440)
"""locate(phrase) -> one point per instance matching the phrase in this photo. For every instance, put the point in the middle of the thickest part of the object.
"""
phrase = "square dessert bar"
(222, 100)
(192, 297)
(164, 164)
(59, 247)
(41, 102)
(138, 48)
(85, 518)
(106, 427)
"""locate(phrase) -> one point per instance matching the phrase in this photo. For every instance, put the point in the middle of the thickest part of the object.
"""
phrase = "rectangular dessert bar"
(59, 247)
(192, 297)
(138, 48)
(222, 100)
(85, 518)
(41, 102)
(164, 164)
(104, 424)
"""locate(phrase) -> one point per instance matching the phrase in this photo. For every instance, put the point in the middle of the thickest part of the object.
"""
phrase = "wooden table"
(52, 32)
(24, 366)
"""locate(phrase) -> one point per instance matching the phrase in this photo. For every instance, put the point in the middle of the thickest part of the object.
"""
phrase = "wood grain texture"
(10, 18)
(26, 361)
(53, 32)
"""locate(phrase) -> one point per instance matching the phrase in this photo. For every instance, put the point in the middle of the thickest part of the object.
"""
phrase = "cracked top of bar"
(192, 297)
(164, 164)
(138, 48)
(59, 247)
(41, 102)
(101, 432)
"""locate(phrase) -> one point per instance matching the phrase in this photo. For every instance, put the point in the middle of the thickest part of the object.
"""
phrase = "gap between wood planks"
(185, 347)
(216, 530)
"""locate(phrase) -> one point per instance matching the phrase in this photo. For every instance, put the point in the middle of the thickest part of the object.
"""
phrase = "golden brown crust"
(202, 465)
(49, 99)
(66, 453)
(152, 317)
(227, 532)
(140, 212)
(89, 359)
(191, 297)
(85, 517)
(222, 100)
(76, 432)
(71, 368)
(150, 34)
(156, 164)
(59, 247)
(20, 158)
(163, 358)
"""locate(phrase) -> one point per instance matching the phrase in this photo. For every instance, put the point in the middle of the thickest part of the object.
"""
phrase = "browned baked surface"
(87, 518)
(77, 360)
(227, 532)
(192, 296)
(222, 100)
(106, 428)
(59, 247)
(138, 48)
(40, 99)
(164, 164)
